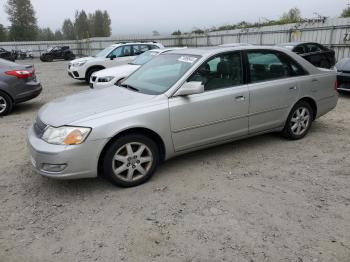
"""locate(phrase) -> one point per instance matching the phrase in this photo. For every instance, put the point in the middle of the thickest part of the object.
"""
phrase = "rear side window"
(269, 65)
(153, 47)
(311, 48)
(139, 49)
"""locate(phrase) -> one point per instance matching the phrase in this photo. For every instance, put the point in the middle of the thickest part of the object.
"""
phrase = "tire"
(299, 121)
(6, 104)
(48, 58)
(131, 160)
(89, 73)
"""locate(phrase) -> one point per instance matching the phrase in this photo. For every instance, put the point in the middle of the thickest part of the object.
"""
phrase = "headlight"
(77, 64)
(66, 135)
(105, 79)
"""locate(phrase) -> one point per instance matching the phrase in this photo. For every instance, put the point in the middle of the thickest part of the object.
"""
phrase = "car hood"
(77, 107)
(123, 70)
(88, 58)
(343, 65)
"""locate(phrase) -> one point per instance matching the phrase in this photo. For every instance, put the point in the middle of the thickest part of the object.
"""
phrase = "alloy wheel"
(3, 104)
(300, 121)
(132, 161)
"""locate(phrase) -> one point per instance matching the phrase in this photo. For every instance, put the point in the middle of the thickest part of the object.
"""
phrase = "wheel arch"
(311, 102)
(134, 130)
(100, 67)
(6, 93)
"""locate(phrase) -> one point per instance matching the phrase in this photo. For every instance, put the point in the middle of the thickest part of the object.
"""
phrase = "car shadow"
(344, 94)
(26, 107)
(231, 149)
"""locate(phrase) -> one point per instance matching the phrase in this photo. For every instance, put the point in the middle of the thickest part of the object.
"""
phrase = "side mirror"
(112, 57)
(190, 88)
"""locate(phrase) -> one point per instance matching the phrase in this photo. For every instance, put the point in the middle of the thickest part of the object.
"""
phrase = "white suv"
(117, 54)
(114, 75)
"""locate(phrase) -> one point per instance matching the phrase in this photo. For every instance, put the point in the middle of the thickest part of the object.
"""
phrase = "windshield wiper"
(130, 87)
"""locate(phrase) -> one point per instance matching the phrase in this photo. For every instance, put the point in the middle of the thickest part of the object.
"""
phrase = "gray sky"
(139, 16)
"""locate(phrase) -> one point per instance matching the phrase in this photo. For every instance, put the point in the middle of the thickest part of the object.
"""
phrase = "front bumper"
(344, 81)
(76, 72)
(80, 161)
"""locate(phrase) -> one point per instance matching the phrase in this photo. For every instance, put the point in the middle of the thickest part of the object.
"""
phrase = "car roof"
(135, 43)
(293, 43)
(207, 51)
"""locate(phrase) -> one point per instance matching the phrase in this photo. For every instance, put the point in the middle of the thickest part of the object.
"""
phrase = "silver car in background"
(179, 102)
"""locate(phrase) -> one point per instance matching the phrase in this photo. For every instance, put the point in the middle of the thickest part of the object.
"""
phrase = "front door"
(218, 114)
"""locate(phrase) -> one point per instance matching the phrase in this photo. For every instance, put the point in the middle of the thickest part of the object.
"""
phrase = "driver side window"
(116, 52)
(221, 71)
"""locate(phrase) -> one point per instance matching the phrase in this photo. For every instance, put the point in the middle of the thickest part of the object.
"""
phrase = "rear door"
(273, 88)
(218, 114)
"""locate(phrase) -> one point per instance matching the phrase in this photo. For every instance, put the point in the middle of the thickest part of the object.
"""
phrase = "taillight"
(336, 85)
(22, 74)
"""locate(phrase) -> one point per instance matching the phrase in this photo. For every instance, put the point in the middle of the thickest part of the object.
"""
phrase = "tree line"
(24, 27)
(292, 16)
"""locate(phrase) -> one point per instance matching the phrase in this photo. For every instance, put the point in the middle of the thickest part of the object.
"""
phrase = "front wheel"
(299, 121)
(131, 160)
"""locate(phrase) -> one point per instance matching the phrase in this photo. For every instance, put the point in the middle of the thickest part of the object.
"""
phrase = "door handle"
(293, 88)
(240, 98)
(314, 80)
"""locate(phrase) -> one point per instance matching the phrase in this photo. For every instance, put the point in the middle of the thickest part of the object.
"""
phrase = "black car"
(57, 52)
(18, 84)
(316, 54)
(6, 55)
(343, 69)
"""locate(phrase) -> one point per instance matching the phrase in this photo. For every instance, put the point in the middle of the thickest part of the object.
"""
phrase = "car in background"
(114, 55)
(114, 75)
(4, 54)
(316, 54)
(18, 84)
(178, 102)
(57, 52)
(343, 70)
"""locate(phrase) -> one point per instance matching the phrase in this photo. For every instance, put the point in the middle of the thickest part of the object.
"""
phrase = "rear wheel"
(6, 104)
(299, 121)
(131, 160)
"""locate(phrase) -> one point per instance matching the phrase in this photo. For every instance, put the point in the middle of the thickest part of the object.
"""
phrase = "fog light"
(53, 168)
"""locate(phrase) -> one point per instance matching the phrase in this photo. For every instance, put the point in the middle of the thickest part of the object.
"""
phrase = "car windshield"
(49, 49)
(161, 73)
(144, 58)
(105, 51)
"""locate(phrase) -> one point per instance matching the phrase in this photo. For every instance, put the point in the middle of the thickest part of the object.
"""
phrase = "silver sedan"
(181, 101)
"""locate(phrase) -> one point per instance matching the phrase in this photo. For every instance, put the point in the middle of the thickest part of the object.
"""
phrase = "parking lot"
(260, 199)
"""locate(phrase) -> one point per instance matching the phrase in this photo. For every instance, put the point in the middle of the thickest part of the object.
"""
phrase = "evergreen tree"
(58, 35)
(68, 30)
(346, 12)
(3, 33)
(46, 34)
(21, 14)
(107, 24)
(81, 25)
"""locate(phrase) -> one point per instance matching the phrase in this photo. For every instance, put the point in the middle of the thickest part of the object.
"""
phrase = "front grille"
(39, 127)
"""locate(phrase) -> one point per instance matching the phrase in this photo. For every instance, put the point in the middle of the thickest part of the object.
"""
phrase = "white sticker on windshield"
(188, 59)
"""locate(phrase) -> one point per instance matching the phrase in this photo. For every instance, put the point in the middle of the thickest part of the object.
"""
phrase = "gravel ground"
(260, 199)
